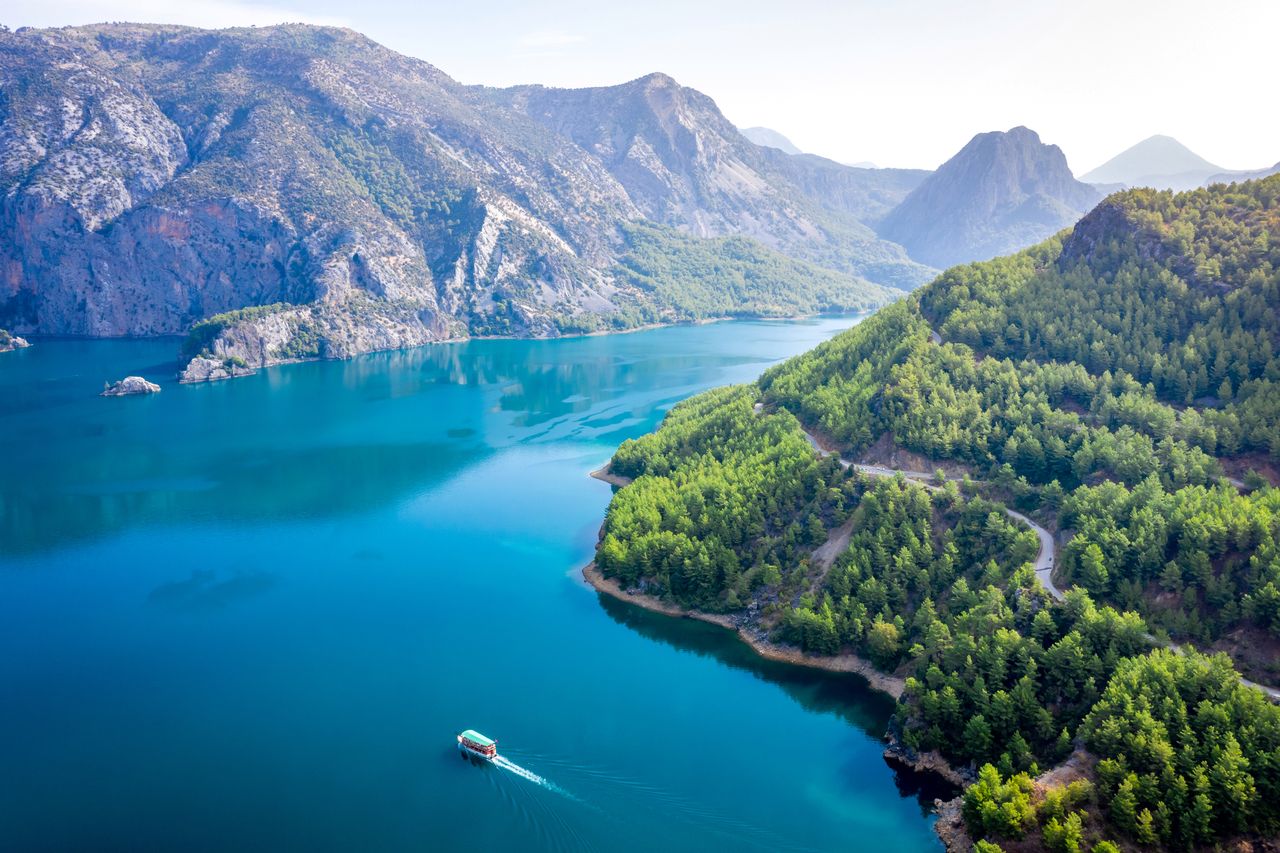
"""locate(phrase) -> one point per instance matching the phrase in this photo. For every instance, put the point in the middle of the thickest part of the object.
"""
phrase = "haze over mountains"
(357, 199)
(1242, 175)
(1158, 161)
(770, 138)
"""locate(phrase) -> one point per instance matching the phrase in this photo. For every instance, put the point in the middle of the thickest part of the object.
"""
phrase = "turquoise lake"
(252, 615)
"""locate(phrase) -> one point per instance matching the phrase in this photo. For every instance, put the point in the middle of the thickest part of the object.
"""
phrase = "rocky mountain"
(1159, 161)
(770, 138)
(1002, 192)
(356, 199)
(684, 164)
(1244, 175)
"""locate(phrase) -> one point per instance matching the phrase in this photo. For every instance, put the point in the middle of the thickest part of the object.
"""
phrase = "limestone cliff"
(152, 177)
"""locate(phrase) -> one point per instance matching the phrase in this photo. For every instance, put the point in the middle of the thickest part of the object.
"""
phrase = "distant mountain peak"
(656, 80)
(770, 138)
(685, 165)
(1003, 191)
(1158, 161)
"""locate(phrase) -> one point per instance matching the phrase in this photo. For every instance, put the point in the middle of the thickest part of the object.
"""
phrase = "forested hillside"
(1119, 384)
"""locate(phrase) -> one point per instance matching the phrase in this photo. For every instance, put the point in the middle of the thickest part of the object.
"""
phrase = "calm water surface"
(253, 615)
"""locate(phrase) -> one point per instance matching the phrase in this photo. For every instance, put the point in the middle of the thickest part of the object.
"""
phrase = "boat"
(478, 745)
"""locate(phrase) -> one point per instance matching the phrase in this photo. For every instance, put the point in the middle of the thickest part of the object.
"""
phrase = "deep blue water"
(254, 614)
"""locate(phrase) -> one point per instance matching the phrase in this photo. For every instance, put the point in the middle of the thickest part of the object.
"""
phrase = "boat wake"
(625, 800)
(502, 762)
(612, 800)
(511, 766)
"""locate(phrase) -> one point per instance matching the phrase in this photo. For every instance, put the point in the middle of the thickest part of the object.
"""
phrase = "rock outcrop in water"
(130, 385)
(205, 369)
(9, 343)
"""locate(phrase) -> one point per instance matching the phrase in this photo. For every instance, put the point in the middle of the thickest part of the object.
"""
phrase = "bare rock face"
(684, 164)
(1002, 192)
(155, 177)
(130, 385)
(151, 177)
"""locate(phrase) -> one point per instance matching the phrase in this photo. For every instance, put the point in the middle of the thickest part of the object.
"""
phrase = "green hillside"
(1118, 384)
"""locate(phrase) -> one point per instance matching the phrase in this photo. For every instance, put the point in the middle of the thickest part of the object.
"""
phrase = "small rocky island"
(9, 343)
(203, 368)
(130, 385)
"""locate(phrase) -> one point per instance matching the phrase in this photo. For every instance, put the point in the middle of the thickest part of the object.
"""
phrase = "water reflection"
(845, 696)
(81, 498)
(329, 438)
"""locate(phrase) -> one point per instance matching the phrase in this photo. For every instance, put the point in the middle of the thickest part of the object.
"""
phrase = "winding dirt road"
(1045, 558)
(1044, 561)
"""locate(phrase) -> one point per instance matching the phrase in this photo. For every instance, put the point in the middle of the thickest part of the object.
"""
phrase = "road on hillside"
(1044, 557)
(1044, 561)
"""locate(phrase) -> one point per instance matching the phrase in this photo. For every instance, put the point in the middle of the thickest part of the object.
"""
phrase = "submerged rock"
(130, 385)
(205, 369)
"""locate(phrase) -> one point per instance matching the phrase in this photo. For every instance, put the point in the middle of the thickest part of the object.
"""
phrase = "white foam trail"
(505, 764)
(502, 762)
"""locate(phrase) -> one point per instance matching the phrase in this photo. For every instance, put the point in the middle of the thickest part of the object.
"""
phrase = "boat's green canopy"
(475, 737)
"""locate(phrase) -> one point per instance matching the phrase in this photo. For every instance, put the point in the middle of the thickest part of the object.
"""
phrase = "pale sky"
(897, 83)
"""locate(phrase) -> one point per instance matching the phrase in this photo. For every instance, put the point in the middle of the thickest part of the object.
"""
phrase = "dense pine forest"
(1120, 384)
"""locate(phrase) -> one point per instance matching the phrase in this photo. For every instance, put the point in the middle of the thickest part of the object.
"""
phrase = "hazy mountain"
(1001, 193)
(1245, 175)
(153, 176)
(770, 138)
(1159, 161)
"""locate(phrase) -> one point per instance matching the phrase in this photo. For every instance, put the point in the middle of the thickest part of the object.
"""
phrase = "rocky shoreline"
(950, 826)
(9, 343)
(204, 369)
(933, 762)
(604, 475)
(753, 637)
(247, 345)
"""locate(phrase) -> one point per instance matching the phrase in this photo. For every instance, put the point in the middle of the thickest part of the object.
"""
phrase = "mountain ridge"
(158, 175)
(684, 164)
(1229, 177)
